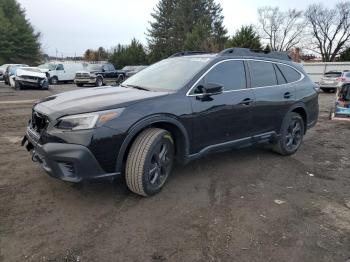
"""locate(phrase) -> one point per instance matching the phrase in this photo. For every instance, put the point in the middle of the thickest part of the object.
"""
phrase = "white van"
(61, 71)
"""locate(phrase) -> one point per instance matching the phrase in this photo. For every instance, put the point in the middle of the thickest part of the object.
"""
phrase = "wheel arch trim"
(148, 122)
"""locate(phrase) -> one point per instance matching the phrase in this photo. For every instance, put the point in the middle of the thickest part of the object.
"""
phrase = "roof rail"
(251, 52)
(187, 53)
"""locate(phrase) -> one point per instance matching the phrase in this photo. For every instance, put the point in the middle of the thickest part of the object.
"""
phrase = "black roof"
(241, 52)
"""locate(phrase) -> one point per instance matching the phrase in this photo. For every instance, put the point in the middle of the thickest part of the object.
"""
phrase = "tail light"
(341, 79)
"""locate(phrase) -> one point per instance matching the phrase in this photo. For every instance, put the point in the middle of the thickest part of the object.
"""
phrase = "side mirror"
(209, 89)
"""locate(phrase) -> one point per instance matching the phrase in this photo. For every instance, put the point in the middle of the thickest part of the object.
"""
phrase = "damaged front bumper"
(68, 162)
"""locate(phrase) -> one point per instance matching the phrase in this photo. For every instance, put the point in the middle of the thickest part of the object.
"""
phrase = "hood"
(24, 72)
(82, 72)
(92, 100)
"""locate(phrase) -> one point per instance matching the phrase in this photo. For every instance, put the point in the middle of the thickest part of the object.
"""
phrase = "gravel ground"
(245, 205)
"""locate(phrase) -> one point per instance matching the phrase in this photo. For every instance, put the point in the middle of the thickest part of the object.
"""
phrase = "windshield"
(168, 74)
(49, 66)
(333, 74)
(31, 69)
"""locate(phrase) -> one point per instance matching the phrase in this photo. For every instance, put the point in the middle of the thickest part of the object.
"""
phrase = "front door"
(224, 117)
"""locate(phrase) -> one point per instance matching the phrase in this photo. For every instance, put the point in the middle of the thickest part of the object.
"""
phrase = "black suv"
(179, 109)
(99, 75)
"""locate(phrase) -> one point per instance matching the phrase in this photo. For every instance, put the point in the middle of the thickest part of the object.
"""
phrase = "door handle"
(287, 95)
(247, 102)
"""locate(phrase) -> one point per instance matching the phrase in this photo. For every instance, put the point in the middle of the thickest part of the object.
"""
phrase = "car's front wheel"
(149, 161)
(54, 80)
(99, 81)
(291, 136)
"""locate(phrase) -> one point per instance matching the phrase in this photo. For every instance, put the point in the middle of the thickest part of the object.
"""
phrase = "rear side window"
(290, 74)
(262, 74)
(229, 74)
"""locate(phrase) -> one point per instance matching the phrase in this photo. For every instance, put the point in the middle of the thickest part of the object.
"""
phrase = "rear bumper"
(68, 162)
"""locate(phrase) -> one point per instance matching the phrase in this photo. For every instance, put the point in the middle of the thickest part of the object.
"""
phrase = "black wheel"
(149, 162)
(54, 80)
(99, 81)
(292, 133)
(80, 85)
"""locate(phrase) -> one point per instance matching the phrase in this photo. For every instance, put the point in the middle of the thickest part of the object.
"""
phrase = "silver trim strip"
(243, 59)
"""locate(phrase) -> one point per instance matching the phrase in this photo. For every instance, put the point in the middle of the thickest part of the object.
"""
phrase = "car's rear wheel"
(54, 80)
(291, 136)
(99, 81)
(149, 162)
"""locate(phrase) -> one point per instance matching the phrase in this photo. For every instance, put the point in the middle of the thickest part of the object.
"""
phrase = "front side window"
(289, 73)
(229, 74)
(262, 74)
(59, 67)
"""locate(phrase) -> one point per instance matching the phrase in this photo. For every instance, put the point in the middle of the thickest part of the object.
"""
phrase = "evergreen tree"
(345, 56)
(133, 54)
(19, 43)
(245, 37)
(186, 25)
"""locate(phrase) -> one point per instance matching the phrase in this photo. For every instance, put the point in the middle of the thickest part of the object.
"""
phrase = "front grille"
(82, 75)
(31, 78)
(39, 121)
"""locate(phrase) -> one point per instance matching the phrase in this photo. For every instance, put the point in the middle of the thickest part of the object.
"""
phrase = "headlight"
(87, 121)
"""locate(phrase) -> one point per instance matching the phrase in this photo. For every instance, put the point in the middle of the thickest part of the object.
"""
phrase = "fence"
(317, 70)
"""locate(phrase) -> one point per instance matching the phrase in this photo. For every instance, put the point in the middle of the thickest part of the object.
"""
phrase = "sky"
(72, 26)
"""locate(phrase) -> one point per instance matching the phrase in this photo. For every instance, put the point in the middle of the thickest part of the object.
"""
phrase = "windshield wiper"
(137, 87)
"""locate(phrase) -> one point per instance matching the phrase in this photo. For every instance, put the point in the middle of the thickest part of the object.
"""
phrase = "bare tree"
(282, 29)
(330, 29)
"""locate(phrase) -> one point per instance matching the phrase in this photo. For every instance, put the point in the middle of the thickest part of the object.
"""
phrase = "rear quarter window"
(290, 74)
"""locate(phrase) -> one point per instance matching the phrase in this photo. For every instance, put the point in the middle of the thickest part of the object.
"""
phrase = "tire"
(121, 79)
(54, 80)
(18, 85)
(99, 81)
(80, 85)
(149, 162)
(291, 135)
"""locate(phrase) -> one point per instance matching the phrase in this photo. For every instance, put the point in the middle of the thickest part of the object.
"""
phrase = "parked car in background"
(31, 77)
(132, 70)
(2, 71)
(99, 75)
(333, 80)
(10, 73)
(61, 72)
(178, 109)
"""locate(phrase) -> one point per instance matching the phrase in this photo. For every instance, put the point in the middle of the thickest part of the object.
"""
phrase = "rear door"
(274, 96)
(227, 116)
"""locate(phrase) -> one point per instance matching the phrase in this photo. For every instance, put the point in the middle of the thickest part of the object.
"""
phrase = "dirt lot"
(245, 205)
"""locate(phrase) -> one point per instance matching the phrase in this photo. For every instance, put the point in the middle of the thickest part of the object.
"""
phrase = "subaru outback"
(174, 111)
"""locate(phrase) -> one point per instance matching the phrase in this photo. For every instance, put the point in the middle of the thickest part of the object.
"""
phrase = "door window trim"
(302, 76)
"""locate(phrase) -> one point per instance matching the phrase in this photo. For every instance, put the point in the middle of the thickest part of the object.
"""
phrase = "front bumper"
(85, 80)
(68, 162)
